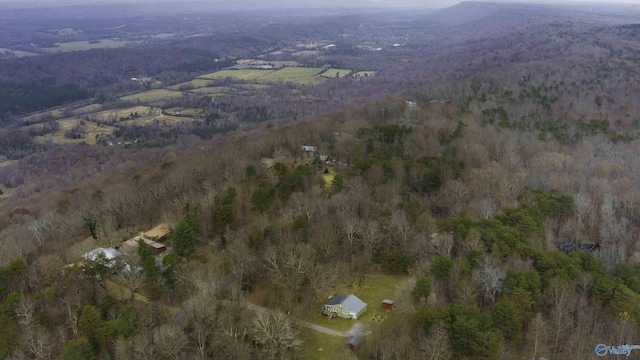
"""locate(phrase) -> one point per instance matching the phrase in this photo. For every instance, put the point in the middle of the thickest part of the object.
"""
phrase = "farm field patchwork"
(151, 95)
(117, 114)
(212, 90)
(251, 86)
(92, 130)
(195, 83)
(18, 53)
(293, 74)
(250, 74)
(335, 73)
(86, 45)
(161, 119)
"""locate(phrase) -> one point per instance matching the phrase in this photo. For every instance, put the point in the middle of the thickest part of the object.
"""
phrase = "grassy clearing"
(162, 119)
(116, 114)
(183, 112)
(19, 53)
(92, 130)
(335, 73)
(364, 74)
(121, 292)
(195, 83)
(212, 90)
(319, 346)
(251, 86)
(251, 74)
(328, 178)
(163, 36)
(86, 45)
(293, 74)
(152, 95)
(6, 192)
(306, 53)
(87, 109)
(31, 118)
(375, 288)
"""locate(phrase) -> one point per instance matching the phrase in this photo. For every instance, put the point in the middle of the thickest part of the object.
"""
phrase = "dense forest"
(487, 184)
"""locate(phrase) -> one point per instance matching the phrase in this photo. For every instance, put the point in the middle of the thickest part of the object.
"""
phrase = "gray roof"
(354, 340)
(349, 302)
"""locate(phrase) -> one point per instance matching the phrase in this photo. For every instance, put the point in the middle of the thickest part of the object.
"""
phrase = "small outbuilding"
(388, 304)
(353, 342)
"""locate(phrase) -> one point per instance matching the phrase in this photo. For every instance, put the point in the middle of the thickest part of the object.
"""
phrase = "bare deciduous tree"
(436, 345)
(560, 298)
(170, 340)
(490, 277)
(276, 334)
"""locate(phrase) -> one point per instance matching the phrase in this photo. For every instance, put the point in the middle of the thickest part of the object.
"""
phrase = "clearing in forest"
(193, 84)
(336, 73)
(91, 130)
(294, 74)
(152, 95)
(212, 90)
(364, 74)
(249, 74)
(87, 45)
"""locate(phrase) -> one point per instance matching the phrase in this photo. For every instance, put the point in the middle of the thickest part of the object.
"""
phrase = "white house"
(346, 306)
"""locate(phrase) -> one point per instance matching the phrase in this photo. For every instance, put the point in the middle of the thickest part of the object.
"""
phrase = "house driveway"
(357, 328)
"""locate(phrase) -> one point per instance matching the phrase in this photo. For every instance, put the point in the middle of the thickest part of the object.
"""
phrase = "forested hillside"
(487, 186)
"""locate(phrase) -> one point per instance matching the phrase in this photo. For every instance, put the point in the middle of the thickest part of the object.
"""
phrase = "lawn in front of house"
(376, 287)
(319, 346)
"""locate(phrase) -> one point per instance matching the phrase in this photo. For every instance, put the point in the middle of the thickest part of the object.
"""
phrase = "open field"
(56, 113)
(306, 53)
(244, 63)
(116, 114)
(183, 112)
(251, 74)
(19, 53)
(161, 119)
(293, 74)
(364, 74)
(328, 178)
(121, 292)
(86, 45)
(92, 129)
(87, 109)
(163, 36)
(334, 73)
(212, 90)
(375, 289)
(195, 83)
(151, 95)
(319, 346)
(251, 86)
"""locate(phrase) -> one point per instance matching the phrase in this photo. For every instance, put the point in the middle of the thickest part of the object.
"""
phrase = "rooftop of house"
(131, 245)
(349, 302)
(109, 253)
(158, 232)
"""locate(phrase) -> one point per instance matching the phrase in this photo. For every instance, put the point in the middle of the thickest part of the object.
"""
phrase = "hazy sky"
(302, 3)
